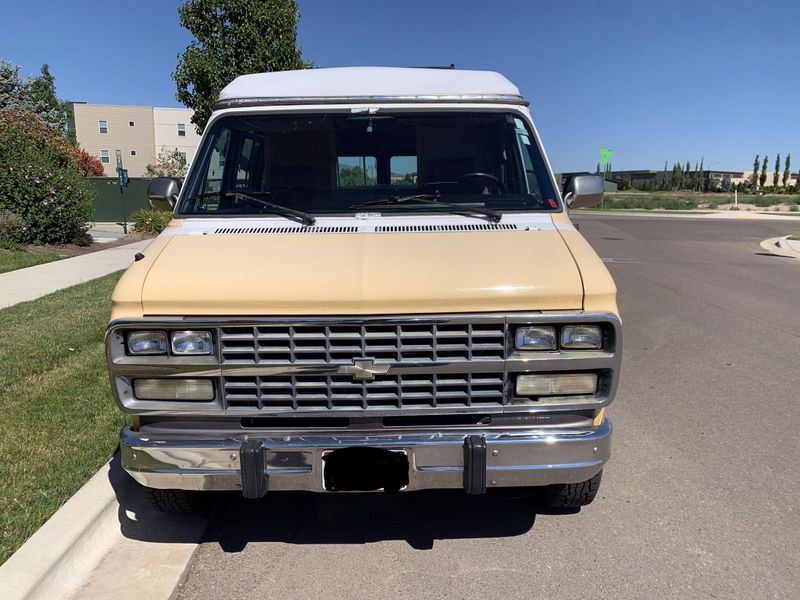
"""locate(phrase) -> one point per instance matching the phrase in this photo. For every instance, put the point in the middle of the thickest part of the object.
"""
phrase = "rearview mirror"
(163, 192)
(585, 191)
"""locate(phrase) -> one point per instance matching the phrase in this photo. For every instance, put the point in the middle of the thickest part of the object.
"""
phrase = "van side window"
(403, 170)
(250, 169)
(524, 141)
(216, 166)
(356, 171)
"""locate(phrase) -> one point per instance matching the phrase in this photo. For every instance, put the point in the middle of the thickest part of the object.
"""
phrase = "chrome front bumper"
(472, 460)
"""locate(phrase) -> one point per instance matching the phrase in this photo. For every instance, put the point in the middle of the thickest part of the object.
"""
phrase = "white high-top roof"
(369, 82)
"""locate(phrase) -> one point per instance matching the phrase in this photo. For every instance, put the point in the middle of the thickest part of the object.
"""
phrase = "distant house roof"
(370, 83)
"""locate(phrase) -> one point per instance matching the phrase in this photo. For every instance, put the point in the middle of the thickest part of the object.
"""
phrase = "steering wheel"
(487, 176)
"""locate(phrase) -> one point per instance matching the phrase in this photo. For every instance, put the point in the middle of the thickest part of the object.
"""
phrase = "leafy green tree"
(168, 163)
(762, 179)
(45, 102)
(33, 94)
(754, 179)
(777, 173)
(12, 91)
(787, 173)
(232, 38)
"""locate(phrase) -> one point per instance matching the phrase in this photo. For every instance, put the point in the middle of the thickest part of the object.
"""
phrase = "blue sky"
(651, 81)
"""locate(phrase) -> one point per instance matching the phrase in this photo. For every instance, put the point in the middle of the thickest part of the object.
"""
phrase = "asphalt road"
(701, 498)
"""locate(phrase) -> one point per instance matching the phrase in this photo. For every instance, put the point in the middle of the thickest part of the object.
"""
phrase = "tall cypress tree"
(701, 175)
(762, 179)
(777, 174)
(754, 179)
(786, 170)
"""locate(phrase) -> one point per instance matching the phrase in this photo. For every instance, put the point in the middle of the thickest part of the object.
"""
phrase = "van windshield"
(336, 164)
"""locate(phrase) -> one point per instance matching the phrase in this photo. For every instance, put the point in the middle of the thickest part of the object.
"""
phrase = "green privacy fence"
(112, 205)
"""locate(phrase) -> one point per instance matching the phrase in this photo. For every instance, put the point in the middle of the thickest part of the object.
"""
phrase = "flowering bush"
(151, 221)
(41, 181)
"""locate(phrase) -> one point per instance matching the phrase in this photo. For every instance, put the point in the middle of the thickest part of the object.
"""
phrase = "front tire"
(566, 496)
(181, 502)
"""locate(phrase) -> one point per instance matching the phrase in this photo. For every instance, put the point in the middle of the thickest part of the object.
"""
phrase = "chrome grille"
(340, 343)
(379, 364)
(315, 392)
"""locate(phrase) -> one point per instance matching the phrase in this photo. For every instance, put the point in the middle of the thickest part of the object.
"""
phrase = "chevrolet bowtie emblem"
(363, 369)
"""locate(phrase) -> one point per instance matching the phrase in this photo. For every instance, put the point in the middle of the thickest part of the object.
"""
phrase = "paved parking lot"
(701, 499)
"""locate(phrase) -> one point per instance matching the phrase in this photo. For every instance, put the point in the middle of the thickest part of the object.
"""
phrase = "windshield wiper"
(435, 199)
(270, 207)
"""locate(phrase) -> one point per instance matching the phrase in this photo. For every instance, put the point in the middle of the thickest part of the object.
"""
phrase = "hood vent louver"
(432, 228)
(282, 230)
(366, 229)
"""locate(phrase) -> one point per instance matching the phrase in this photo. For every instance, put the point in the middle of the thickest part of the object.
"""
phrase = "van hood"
(273, 267)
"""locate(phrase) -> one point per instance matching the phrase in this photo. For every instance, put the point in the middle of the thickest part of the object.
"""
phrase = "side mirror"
(585, 191)
(163, 192)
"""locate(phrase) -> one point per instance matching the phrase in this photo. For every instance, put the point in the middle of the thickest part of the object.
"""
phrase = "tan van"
(370, 283)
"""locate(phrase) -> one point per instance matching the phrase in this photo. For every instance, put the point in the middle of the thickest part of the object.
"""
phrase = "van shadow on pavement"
(419, 518)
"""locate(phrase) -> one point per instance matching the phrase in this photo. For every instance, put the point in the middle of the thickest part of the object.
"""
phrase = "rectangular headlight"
(557, 384)
(147, 342)
(535, 338)
(174, 389)
(192, 342)
(581, 337)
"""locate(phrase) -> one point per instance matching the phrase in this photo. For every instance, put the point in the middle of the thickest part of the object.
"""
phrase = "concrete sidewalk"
(31, 283)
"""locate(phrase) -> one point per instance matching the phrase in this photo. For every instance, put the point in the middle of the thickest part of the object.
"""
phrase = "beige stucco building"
(138, 132)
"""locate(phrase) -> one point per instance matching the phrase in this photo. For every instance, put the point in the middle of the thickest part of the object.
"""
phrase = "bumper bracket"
(475, 464)
(255, 480)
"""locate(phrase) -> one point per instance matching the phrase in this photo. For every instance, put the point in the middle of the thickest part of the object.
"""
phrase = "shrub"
(794, 208)
(90, 165)
(12, 230)
(152, 221)
(40, 180)
(650, 201)
(762, 201)
(84, 239)
(713, 205)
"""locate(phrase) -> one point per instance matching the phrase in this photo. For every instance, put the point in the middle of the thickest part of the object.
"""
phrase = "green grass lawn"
(59, 422)
(11, 260)
(795, 237)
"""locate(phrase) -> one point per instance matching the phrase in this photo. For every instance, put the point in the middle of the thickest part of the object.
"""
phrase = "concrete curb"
(700, 214)
(103, 543)
(780, 246)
